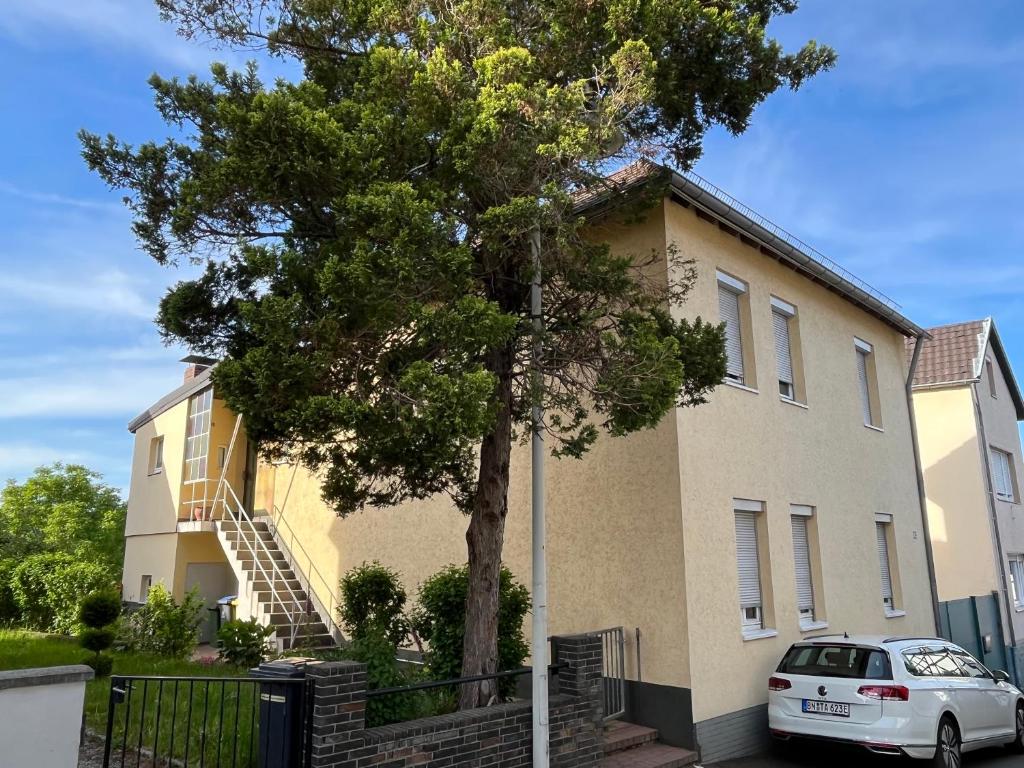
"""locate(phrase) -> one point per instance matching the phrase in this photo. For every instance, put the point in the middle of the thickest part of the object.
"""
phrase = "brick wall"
(498, 736)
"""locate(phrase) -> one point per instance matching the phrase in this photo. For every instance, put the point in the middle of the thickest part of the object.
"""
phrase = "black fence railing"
(207, 722)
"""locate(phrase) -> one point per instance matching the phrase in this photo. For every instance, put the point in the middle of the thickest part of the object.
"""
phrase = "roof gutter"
(921, 494)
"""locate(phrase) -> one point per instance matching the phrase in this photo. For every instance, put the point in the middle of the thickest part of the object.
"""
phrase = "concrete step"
(266, 598)
(284, 572)
(228, 524)
(323, 640)
(650, 755)
(620, 735)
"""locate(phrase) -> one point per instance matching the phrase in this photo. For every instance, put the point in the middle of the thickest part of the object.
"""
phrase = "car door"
(940, 671)
(993, 701)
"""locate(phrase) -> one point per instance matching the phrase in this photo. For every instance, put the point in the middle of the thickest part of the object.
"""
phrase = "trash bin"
(226, 609)
(280, 729)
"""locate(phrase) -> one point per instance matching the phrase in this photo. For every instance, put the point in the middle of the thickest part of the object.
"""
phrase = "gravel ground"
(90, 755)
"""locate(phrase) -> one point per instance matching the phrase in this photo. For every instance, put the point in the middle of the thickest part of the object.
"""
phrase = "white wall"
(41, 716)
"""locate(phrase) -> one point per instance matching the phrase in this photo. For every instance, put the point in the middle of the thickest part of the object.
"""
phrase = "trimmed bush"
(96, 640)
(440, 620)
(99, 609)
(373, 602)
(101, 664)
(244, 643)
(98, 612)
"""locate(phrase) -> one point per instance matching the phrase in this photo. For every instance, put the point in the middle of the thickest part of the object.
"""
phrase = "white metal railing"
(287, 537)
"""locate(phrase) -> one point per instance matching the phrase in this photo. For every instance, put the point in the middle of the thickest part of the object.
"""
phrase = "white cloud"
(111, 292)
(19, 459)
(50, 198)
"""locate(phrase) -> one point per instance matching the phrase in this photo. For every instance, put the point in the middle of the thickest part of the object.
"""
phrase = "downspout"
(1004, 587)
(919, 343)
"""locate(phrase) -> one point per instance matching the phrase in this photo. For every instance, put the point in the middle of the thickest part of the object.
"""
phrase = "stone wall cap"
(26, 678)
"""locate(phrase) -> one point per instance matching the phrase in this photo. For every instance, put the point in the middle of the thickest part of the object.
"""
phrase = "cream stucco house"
(968, 405)
(787, 506)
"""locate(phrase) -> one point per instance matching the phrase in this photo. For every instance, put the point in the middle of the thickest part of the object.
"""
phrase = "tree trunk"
(485, 538)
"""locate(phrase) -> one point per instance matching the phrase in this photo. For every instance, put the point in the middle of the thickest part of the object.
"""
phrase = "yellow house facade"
(786, 507)
(968, 405)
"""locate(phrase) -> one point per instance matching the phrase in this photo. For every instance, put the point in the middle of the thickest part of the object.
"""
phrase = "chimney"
(196, 364)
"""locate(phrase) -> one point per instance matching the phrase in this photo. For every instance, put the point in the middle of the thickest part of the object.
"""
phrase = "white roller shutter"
(783, 354)
(883, 561)
(802, 556)
(862, 381)
(729, 308)
(1001, 473)
(746, 559)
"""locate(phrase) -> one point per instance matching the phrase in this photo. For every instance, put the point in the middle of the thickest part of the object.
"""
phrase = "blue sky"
(905, 165)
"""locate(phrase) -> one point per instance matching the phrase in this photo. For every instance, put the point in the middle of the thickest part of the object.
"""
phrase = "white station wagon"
(922, 697)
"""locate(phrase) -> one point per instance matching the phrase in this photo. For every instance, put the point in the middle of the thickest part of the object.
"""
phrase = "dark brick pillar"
(339, 711)
(581, 678)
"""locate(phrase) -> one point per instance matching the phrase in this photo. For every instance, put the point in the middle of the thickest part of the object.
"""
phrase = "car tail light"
(885, 692)
(779, 684)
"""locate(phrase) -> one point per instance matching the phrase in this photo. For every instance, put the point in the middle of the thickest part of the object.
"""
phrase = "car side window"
(932, 661)
(971, 666)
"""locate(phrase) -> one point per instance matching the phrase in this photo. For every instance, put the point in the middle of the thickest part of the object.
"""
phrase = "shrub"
(372, 602)
(95, 639)
(48, 589)
(377, 652)
(10, 613)
(163, 626)
(243, 643)
(101, 664)
(440, 620)
(99, 609)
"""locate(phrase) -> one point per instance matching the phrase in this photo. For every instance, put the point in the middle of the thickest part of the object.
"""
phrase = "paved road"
(818, 756)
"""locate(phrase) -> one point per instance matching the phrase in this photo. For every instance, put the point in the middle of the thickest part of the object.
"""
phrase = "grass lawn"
(216, 710)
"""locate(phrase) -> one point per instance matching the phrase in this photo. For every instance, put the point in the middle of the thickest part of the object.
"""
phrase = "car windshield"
(837, 661)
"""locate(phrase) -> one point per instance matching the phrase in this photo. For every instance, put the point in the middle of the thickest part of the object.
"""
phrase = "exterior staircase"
(635, 746)
(273, 590)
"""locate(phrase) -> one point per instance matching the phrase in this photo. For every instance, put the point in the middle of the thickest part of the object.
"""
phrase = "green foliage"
(10, 613)
(440, 620)
(372, 602)
(96, 640)
(163, 626)
(377, 651)
(64, 508)
(99, 609)
(101, 664)
(243, 643)
(49, 588)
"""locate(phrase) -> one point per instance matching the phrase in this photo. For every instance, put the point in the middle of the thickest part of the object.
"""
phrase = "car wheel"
(947, 749)
(1018, 743)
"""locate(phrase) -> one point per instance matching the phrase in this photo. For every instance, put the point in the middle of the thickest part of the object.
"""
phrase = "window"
(783, 315)
(802, 557)
(222, 456)
(730, 292)
(885, 563)
(837, 661)
(197, 443)
(1017, 580)
(866, 382)
(971, 666)
(156, 455)
(749, 519)
(990, 371)
(146, 583)
(1002, 475)
(935, 661)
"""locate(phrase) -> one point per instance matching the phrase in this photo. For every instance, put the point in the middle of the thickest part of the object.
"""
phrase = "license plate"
(826, 708)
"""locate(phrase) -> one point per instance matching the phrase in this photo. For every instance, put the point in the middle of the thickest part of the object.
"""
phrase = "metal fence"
(212, 722)
(613, 647)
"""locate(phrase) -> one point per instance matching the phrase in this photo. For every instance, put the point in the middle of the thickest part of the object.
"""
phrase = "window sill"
(873, 428)
(791, 401)
(156, 472)
(759, 634)
(1019, 608)
(813, 626)
(744, 387)
(894, 614)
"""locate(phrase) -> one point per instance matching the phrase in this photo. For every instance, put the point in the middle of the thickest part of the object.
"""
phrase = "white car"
(922, 697)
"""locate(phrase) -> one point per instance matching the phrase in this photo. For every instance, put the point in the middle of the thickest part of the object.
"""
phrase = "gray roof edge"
(797, 258)
(996, 342)
(171, 399)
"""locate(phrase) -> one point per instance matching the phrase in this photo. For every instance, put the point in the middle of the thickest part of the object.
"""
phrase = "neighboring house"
(967, 405)
(787, 506)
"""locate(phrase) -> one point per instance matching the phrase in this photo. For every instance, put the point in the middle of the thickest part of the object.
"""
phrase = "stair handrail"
(243, 516)
(330, 605)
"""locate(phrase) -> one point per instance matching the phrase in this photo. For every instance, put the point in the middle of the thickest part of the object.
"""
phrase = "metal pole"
(540, 568)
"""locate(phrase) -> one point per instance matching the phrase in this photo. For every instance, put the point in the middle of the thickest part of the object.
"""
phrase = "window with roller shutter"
(749, 570)
(882, 535)
(783, 354)
(802, 562)
(865, 383)
(1002, 475)
(729, 308)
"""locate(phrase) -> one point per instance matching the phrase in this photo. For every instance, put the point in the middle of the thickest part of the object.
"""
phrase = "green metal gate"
(975, 624)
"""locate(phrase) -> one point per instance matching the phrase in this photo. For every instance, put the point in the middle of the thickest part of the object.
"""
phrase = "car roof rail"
(906, 638)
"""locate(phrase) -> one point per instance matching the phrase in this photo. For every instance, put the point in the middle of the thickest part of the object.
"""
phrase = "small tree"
(165, 627)
(98, 612)
(373, 600)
